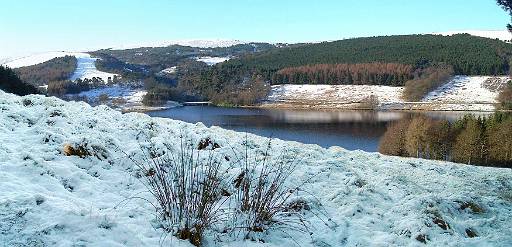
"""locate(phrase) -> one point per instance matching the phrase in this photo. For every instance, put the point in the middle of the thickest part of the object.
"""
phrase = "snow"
(37, 58)
(331, 96)
(48, 199)
(212, 60)
(86, 69)
(466, 93)
(171, 70)
(503, 35)
(200, 43)
(464, 90)
(131, 98)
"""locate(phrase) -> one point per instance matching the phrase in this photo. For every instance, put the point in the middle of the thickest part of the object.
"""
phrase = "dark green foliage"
(60, 88)
(468, 55)
(507, 6)
(11, 83)
(145, 62)
(471, 140)
(57, 69)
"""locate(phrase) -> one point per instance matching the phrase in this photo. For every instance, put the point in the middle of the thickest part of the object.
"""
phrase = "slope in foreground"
(48, 199)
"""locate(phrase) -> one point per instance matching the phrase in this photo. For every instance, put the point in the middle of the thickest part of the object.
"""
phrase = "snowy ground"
(462, 93)
(330, 96)
(48, 199)
(212, 60)
(466, 92)
(86, 68)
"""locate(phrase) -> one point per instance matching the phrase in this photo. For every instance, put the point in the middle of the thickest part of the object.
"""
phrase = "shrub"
(505, 97)
(188, 190)
(428, 80)
(195, 194)
(262, 196)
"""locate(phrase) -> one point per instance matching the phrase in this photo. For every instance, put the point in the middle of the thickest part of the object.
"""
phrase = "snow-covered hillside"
(85, 64)
(200, 43)
(471, 93)
(503, 35)
(86, 68)
(36, 58)
(330, 96)
(49, 199)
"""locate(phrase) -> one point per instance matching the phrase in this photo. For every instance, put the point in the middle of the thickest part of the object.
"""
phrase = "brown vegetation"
(505, 97)
(391, 74)
(426, 81)
(471, 140)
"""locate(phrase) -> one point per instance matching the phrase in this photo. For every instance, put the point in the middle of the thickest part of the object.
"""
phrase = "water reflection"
(349, 129)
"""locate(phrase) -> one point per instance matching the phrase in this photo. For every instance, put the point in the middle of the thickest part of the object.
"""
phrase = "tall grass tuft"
(188, 189)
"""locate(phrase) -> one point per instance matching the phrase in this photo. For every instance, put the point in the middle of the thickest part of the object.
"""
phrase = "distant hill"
(469, 55)
(503, 35)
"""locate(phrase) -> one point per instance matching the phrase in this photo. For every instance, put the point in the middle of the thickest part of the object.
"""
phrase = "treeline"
(63, 87)
(11, 83)
(57, 69)
(427, 80)
(223, 87)
(466, 54)
(391, 74)
(470, 140)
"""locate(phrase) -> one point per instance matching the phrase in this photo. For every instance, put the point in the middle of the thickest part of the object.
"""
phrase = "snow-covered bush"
(195, 193)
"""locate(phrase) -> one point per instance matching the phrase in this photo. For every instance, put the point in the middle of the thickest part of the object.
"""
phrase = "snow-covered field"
(49, 199)
(212, 60)
(461, 93)
(86, 68)
(330, 96)
(464, 90)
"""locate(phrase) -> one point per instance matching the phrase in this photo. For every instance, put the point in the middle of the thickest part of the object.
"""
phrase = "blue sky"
(47, 25)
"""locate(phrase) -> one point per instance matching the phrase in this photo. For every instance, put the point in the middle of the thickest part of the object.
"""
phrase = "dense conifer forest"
(11, 83)
(468, 55)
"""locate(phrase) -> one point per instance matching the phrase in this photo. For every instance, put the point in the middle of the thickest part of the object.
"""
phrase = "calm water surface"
(348, 129)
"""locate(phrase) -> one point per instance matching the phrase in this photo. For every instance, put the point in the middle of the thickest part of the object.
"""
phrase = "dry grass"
(194, 194)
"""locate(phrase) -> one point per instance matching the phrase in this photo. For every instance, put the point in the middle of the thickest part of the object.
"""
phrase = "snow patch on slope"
(372, 200)
(86, 68)
(463, 90)
(212, 60)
